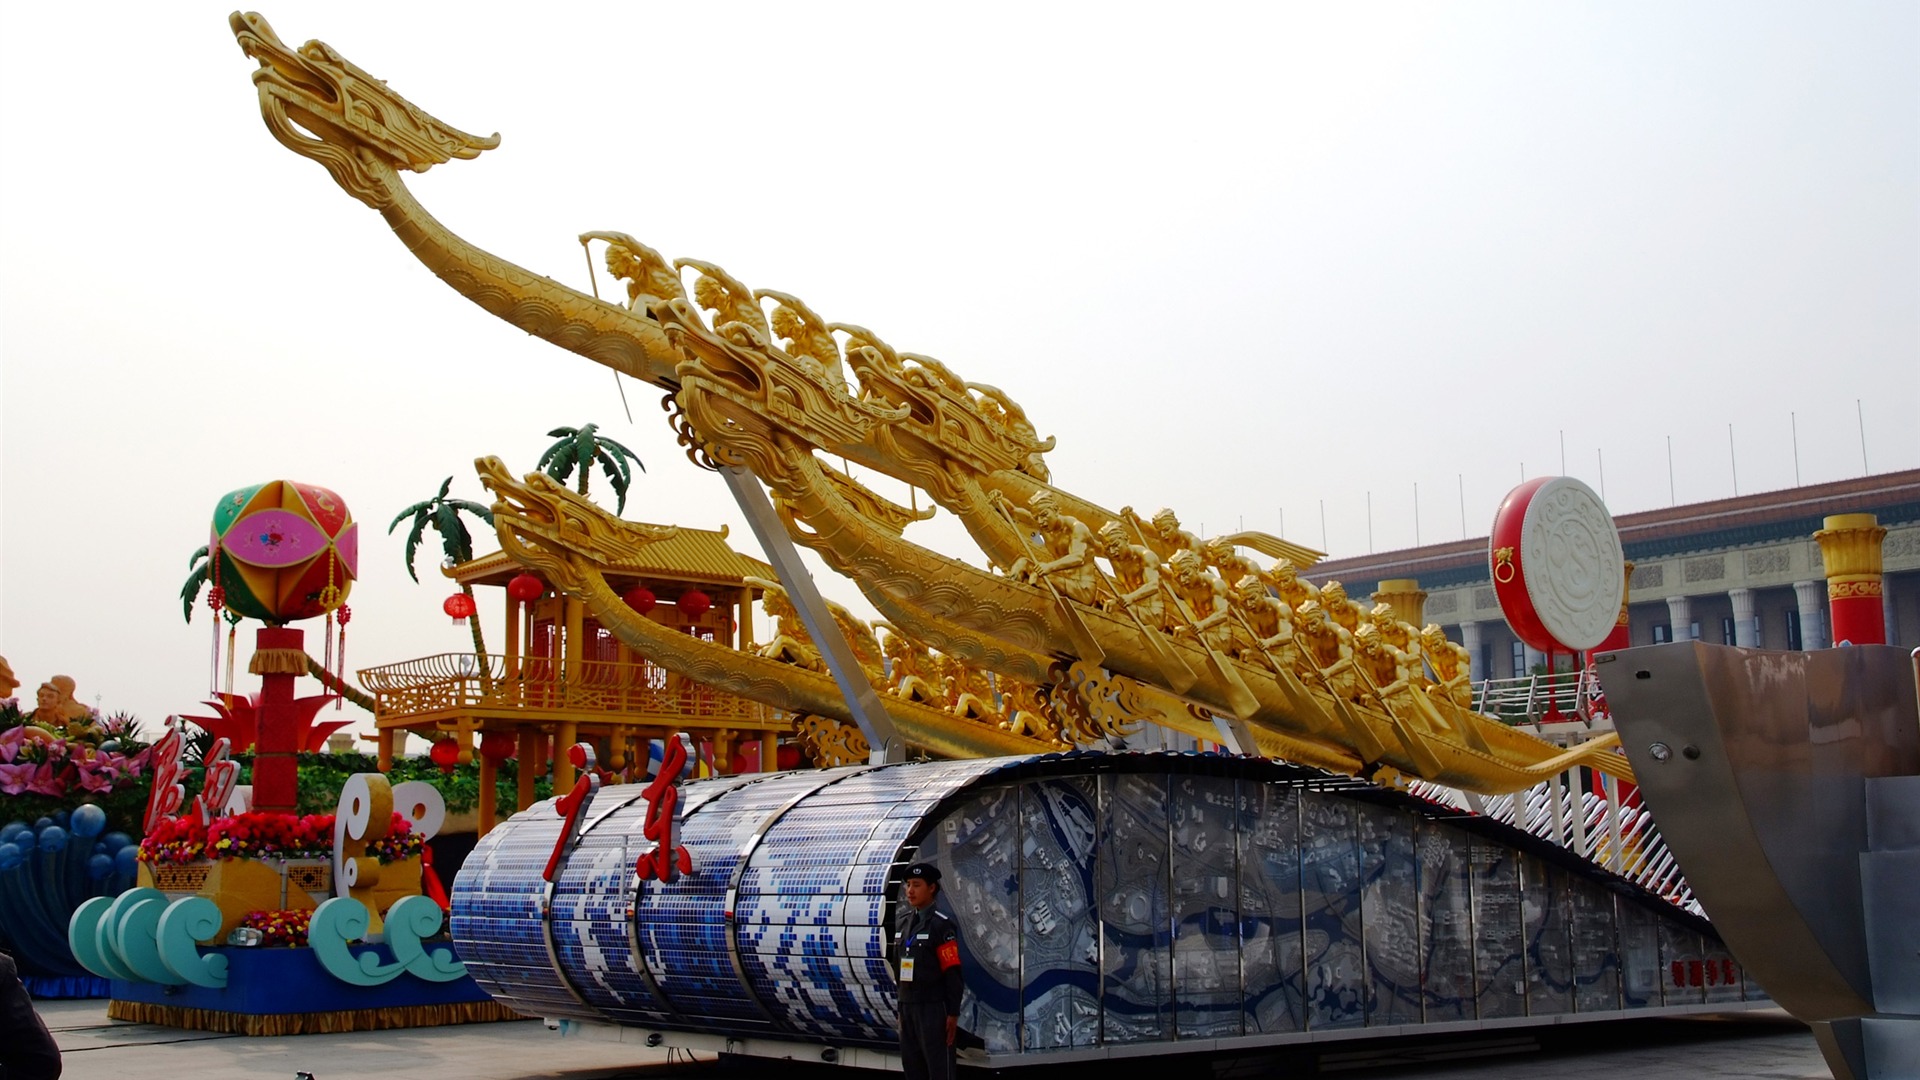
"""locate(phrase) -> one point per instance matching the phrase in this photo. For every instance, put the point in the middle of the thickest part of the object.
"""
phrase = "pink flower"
(46, 781)
(14, 779)
(10, 741)
(97, 777)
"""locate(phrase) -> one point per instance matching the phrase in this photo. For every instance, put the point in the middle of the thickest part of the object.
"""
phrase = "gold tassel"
(311, 1023)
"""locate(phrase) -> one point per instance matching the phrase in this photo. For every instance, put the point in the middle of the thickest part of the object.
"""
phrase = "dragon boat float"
(1367, 854)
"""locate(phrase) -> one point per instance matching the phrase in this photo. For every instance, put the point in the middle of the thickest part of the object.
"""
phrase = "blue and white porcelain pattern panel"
(1272, 961)
(1330, 887)
(1170, 899)
(1132, 874)
(1204, 821)
(1060, 933)
(1446, 922)
(498, 917)
(1499, 964)
(977, 847)
(1390, 906)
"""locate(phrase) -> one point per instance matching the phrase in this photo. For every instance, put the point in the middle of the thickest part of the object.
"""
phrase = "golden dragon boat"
(1194, 637)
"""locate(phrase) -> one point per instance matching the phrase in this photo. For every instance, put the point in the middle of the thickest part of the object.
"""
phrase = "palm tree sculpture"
(196, 580)
(443, 515)
(584, 447)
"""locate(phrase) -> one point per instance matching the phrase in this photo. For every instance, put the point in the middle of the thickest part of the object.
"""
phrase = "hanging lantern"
(640, 598)
(459, 606)
(787, 757)
(446, 754)
(526, 588)
(695, 603)
(496, 746)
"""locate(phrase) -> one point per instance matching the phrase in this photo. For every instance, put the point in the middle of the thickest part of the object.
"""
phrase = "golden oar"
(1083, 639)
(1179, 675)
(1239, 698)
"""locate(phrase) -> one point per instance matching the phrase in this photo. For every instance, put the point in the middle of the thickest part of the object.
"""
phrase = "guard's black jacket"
(27, 1050)
(927, 960)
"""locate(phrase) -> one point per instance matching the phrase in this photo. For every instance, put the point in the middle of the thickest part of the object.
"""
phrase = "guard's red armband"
(949, 955)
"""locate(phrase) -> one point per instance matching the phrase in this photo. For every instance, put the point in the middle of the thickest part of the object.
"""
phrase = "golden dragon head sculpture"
(320, 106)
(558, 533)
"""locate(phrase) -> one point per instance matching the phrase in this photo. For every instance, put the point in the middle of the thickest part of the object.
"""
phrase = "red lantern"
(459, 606)
(787, 757)
(446, 754)
(526, 588)
(695, 603)
(640, 598)
(496, 746)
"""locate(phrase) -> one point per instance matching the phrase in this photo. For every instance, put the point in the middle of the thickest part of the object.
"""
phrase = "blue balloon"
(10, 830)
(114, 841)
(88, 820)
(110, 746)
(99, 866)
(126, 862)
(42, 823)
(53, 838)
(10, 856)
(60, 818)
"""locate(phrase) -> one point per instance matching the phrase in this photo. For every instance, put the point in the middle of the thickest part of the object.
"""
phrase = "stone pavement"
(1749, 1046)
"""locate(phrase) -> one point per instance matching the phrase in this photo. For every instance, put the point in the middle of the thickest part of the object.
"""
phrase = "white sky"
(1238, 259)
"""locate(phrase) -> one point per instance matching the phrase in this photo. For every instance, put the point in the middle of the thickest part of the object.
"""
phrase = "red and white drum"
(1557, 565)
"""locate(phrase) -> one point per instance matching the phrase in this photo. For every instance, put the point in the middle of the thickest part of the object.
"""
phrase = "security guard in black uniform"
(927, 966)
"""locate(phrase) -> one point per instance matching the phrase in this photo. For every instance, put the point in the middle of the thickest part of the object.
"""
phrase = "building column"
(1470, 641)
(1811, 595)
(1680, 616)
(1746, 629)
(1892, 617)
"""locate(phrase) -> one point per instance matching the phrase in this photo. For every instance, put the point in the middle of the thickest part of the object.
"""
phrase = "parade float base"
(285, 991)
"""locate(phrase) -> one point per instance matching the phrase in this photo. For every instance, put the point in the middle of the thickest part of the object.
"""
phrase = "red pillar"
(283, 721)
(1850, 546)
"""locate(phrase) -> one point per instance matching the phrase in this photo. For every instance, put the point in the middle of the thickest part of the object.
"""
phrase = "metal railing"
(456, 681)
(1530, 699)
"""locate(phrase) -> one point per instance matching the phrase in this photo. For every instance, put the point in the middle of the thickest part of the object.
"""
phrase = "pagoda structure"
(562, 678)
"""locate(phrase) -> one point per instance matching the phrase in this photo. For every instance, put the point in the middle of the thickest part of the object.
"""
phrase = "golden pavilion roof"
(696, 555)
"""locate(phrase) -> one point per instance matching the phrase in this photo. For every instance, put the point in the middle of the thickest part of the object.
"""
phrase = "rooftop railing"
(492, 682)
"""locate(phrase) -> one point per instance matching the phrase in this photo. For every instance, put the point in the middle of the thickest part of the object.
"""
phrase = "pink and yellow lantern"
(284, 551)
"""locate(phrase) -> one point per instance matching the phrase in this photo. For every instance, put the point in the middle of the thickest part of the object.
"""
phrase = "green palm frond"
(584, 448)
(442, 515)
(190, 592)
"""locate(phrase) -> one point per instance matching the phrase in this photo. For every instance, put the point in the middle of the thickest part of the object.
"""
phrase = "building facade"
(1740, 571)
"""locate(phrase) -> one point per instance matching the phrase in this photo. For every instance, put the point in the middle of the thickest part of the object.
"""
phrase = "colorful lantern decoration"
(640, 598)
(446, 754)
(283, 551)
(695, 603)
(459, 606)
(526, 588)
(496, 746)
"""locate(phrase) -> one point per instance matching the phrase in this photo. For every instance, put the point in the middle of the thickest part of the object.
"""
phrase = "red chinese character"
(1679, 973)
(1694, 974)
(573, 805)
(662, 824)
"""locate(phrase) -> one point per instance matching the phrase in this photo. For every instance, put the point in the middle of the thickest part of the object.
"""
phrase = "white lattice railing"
(1615, 837)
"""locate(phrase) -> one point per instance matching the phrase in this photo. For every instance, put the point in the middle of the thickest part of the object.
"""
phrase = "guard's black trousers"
(924, 1053)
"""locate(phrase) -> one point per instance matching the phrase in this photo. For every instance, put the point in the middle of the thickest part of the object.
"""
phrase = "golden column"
(1850, 546)
(1408, 599)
